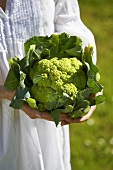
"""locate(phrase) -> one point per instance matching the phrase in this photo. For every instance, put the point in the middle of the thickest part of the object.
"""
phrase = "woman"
(34, 144)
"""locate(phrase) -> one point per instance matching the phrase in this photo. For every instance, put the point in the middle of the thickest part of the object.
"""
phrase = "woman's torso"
(21, 20)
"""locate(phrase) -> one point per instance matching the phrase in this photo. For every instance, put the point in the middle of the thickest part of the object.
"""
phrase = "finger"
(72, 120)
(87, 116)
(33, 114)
(81, 119)
(64, 123)
(63, 115)
(46, 116)
(29, 111)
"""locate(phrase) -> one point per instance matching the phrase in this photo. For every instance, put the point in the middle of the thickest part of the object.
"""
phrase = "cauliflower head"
(57, 76)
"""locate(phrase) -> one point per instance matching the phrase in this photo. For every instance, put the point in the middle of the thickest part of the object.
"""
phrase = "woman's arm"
(6, 94)
(67, 19)
(3, 4)
(33, 113)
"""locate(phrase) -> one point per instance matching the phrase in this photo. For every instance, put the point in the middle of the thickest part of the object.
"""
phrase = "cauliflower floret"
(79, 80)
(64, 65)
(55, 75)
(58, 76)
(70, 89)
(76, 63)
(39, 67)
(42, 94)
(55, 61)
(57, 84)
(44, 80)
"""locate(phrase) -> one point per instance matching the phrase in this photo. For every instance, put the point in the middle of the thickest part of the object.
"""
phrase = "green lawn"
(92, 141)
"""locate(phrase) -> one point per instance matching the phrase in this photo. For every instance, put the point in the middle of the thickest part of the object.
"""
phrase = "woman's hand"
(80, 119)
(85, 117)
(33, 114)
(64, 118)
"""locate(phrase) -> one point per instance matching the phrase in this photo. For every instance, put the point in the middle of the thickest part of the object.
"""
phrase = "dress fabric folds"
(27, 144)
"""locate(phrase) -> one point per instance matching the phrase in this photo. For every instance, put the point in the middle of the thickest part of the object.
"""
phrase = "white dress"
(27, 144)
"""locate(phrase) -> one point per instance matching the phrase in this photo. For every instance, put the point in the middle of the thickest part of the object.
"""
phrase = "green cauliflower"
(55, 77)
(56, 74)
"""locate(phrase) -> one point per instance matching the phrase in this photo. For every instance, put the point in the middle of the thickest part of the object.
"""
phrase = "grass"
(92, 141)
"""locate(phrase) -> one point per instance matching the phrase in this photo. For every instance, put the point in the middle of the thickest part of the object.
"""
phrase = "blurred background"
(92, 141)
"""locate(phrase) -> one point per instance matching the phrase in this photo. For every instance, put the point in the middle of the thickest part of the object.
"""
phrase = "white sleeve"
(4, 66)
(67, 19)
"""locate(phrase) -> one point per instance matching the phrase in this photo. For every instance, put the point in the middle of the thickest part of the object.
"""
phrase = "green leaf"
(86, 93)
(98, 99)
(13, 78)
(13, 61)
(76, 113)
(28, 82)
(54, 48)
(56, 101)
(22, 93)
(36, 79)
(24, 65)
(83, 104)
(87, 109)
(57, 45)
(45, 53)
(62, 100)
(30, 57)
(34, 40)
(27, 62)
(96, 86)
(93, 69)
(66, 43)
(55, 114)
(51, 104)
(75, 52)
(16, 104)
(88, 53)
(68, 109)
